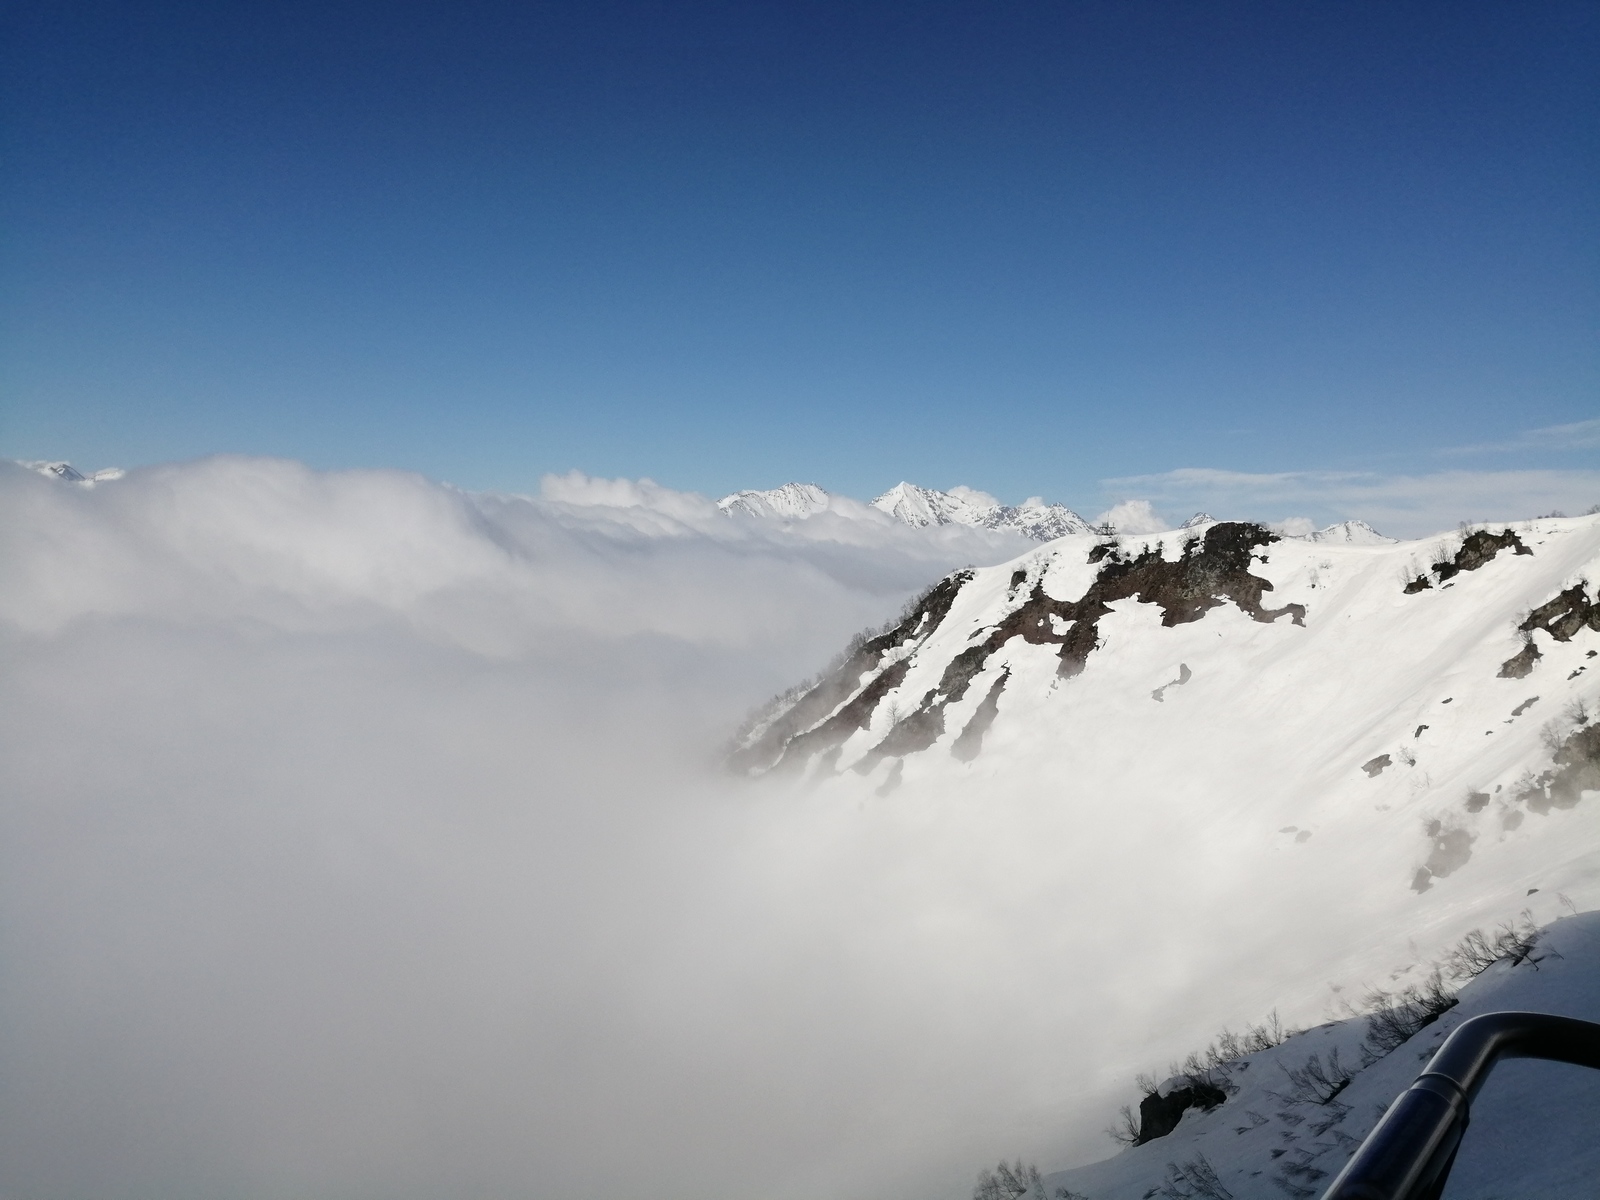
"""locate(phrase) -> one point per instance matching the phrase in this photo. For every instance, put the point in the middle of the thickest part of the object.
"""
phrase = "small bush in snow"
(1197, 1178)
(1395, 1017)
(1007, 1182)
(1316, 1082)
(1478, 951)
(1125, 1129)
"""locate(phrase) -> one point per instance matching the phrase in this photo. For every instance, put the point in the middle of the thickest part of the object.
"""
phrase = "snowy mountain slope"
(1266, 696)
(791, 501)
(1532, 1126)
(70, 474)
(1350, 533)
(917, 507)
(921, 507)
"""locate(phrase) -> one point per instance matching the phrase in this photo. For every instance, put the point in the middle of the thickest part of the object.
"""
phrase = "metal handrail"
(1409, 1154)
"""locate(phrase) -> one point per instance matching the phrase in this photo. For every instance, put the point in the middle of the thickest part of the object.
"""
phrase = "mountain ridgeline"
(1444, 688)
(1212, 567)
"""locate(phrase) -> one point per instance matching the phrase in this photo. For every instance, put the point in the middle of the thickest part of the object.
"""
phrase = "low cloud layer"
(363, 837)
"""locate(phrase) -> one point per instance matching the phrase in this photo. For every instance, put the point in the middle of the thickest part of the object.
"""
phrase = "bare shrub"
(1477, 951)
(1124, 1131)
(1393, 1018)
(1316, 1082)
(1007, 1182)
(1472, 956)
(1196, 1178)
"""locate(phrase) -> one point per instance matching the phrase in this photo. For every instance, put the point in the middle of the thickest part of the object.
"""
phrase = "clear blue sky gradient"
(1021, 246)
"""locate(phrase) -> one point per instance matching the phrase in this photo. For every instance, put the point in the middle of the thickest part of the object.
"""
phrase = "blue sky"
(1027, 247)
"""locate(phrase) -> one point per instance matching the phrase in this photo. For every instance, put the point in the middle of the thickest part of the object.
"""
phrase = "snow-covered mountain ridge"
(1304, 695)
(68, 473)
(918, 507)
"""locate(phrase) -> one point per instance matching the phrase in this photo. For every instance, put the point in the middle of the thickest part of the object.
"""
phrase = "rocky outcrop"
(1577, 770)
(843, 700)
(1211, 569)
(1159, 1115)
(1477, 548)
(1564, 616)
(1520, 665)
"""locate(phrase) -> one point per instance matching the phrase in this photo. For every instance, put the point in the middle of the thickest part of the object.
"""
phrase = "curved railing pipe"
(1409, 1154)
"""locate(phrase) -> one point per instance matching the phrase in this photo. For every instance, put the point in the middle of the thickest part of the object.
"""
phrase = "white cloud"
(1134, 516)
(1577, 435)
(1398, 505)
(363, 836)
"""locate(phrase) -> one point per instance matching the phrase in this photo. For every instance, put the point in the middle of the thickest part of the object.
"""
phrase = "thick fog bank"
(362, 837)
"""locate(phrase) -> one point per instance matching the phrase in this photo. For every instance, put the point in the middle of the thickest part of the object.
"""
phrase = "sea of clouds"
(364, 837)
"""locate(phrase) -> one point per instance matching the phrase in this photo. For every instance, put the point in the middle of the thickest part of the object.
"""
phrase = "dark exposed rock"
(853, 715)
(917, 732)
(892, 781)
(1477, 548)
(1577, 770)
(1374, 766)
(1211, 570)
(1477, 801)
(838, 686)
(1564, 616)
(1208, 573)
(1520, 664)
(1524, 706)
(1184, 675)
(1451, 849)
(1159, 1115)
(970, 740)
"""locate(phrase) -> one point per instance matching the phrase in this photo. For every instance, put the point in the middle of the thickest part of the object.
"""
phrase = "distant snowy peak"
(921, 507)
(790, 502)
(918, 507)
(1200, 518)
(68, 473)
(1351, 533)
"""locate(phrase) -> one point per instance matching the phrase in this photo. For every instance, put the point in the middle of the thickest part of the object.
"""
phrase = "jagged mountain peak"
(1351, 533)
(916, 506)
(921, 507)
(790, 501)
(68, 473)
